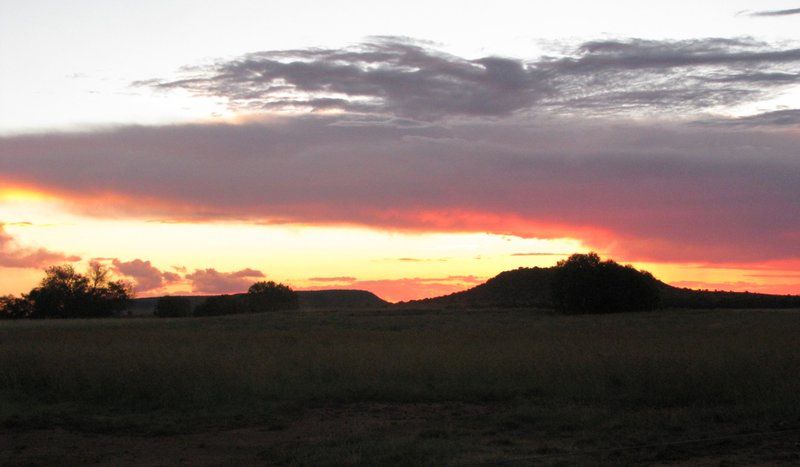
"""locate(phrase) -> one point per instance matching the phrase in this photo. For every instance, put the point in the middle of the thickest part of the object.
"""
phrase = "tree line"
(67, 293)
(260, 297)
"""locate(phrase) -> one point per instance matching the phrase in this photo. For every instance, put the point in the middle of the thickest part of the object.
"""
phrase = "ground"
(507, 387)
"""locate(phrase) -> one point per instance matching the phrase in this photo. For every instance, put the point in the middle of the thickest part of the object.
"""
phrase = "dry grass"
(641, 373)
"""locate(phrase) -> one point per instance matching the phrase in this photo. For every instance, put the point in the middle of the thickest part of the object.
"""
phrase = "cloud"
(146, 276)
(212, 281)
(397, 77)
(421, 260)
(774, 119)
(642, 190)
(13, 255)
(787, 12)
(170, 276)
(332, 279)
(393, 74)
(742, 286)
(536, 253)
(723, 286)
(776, 274)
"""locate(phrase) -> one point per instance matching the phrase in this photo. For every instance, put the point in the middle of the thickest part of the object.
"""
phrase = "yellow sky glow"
(308, 257)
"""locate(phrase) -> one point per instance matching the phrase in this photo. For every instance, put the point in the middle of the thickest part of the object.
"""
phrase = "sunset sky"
(408, 148)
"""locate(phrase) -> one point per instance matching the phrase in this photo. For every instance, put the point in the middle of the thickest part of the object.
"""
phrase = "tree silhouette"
(271, 296)
(584, 284)
(65, 293)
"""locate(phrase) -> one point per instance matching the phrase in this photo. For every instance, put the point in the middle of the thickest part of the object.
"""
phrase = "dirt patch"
(413, 434)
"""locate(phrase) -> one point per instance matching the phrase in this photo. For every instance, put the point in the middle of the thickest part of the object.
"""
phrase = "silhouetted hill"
(523, 287)
(340, 299)
(309, 299)
(531, 287)
(675, 297)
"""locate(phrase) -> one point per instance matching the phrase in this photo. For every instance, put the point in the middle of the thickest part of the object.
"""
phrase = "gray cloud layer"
(657, 190)
(775, 119)
(401, 78)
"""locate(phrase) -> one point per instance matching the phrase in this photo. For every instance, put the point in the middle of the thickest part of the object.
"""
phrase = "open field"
(404, 387)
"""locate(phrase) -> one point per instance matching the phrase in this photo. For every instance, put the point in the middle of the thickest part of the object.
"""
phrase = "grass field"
(404, 387)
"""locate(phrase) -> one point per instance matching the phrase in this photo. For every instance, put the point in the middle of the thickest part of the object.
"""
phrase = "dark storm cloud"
(400, 78)
(645, 191)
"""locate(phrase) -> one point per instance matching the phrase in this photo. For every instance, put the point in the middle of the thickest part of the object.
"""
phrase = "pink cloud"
(212, 281)
(146, 276)
(170, 276)
(12, 255)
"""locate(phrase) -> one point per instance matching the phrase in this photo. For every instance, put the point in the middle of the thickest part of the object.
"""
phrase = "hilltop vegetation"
(307, 299)
(583, 283)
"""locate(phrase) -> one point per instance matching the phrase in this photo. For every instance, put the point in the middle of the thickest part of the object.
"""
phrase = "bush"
(271, 296)
(15, 307)
(173, 307)
(584, 284)
(221, 305)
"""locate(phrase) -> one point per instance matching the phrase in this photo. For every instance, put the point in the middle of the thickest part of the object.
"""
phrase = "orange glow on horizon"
(399, 255)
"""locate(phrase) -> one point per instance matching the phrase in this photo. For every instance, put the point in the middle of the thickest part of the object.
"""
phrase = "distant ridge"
(309, 299)
(340, 298)
(531, 287)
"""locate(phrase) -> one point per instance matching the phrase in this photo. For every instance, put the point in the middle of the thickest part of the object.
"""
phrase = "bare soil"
(464, 432)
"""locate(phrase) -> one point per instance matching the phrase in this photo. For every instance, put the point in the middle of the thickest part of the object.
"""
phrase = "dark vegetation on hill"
(260, 297)
(175, 306)
(534, 287)
(585, 284)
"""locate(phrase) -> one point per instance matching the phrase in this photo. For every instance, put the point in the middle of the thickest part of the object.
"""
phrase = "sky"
(412, 149)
